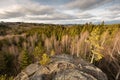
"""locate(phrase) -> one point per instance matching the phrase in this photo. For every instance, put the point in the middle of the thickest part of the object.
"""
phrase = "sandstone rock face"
(62, 67)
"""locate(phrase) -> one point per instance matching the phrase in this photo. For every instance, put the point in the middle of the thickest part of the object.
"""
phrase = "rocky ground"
(62, 67)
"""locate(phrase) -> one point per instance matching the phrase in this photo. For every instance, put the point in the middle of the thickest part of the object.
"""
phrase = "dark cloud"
(86, 4)
(115, 7)
(8, 14)
(41, 10)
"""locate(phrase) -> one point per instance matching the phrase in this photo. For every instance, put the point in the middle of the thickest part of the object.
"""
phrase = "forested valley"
(24, 43)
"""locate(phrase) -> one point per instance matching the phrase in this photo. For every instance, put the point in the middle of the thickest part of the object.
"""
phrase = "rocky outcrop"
(62, 67)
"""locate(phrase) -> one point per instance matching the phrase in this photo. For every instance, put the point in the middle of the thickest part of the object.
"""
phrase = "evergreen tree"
(94, 41)
(25, 59)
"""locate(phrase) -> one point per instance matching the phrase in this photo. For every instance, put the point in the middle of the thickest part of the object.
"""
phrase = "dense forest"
(24, 43)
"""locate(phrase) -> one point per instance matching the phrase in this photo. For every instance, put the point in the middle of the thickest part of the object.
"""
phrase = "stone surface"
(73, 74)
(62, 67)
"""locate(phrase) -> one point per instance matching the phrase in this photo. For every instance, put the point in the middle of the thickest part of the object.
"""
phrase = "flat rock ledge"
(62, 67)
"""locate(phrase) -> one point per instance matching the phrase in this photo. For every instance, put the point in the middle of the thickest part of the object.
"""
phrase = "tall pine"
(25, 59)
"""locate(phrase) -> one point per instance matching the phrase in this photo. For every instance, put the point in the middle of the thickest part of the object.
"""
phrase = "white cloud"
(33, 10)
(72, 11)
(54, 16)
(18, 10)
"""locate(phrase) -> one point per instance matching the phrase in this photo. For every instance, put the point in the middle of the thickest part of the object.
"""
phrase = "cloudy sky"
(60, 11)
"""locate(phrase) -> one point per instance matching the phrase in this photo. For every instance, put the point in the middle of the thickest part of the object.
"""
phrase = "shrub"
(45, 59)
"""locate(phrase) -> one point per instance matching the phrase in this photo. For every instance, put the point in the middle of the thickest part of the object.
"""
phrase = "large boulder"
(62, 67)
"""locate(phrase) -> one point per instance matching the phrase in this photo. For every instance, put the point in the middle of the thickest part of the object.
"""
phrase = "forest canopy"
(24, 43)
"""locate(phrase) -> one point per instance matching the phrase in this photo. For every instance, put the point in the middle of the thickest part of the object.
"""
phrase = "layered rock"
(62, 67)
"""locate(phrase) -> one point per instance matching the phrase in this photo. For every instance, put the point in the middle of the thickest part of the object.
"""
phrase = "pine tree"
(25, 59)
(94, 41)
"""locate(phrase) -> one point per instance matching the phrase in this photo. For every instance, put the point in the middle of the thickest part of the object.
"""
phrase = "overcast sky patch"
(60, 11)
